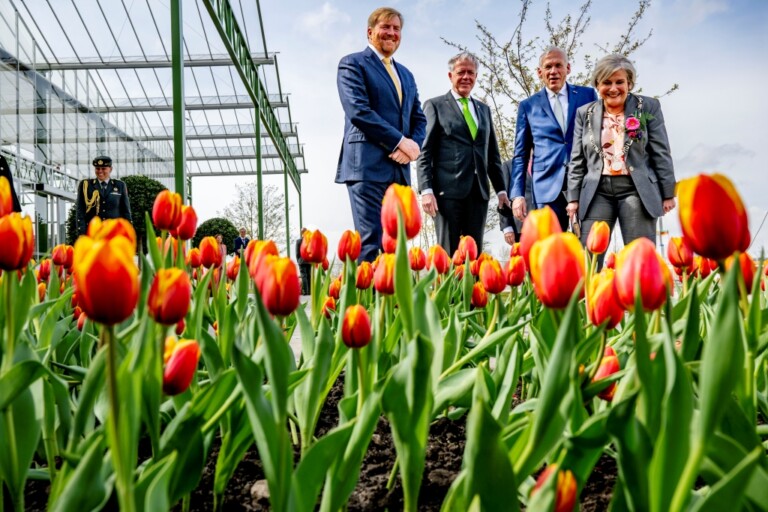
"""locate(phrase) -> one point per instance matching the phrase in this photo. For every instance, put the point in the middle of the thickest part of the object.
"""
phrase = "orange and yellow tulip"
(515, 250)
(599, 237)
(233, 267)
(557, 269)
(467, 247)
(328, 305)
(334, 289)
(515, 271)
(41, 289)
(194, 258)
(364, 276)
(388, 243)
(565, 488)
(438, 258)
(417, 258)
(6, 201)
(349, 246)
(166, 211)
(210, 254)
(187, 225)
(492, 276)
(314, 246)
(107, 278)
(169, 296)
(384, 275)
(474, 266)
(403, 198)
(356, 327)
(62, 255)
(679, 252)
(110, 228)
(610, 260)
(479, 295)
(16, 241)
(748, 268)
(44, 270)
(602, 302)
(609, 365)
(712, 216)
(277, 280)
(639, 263)
(181, 359)
(538, 225)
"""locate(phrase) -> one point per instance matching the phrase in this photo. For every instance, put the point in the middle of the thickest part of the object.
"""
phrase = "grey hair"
(553, 49)
(610, 64)
(462, 57)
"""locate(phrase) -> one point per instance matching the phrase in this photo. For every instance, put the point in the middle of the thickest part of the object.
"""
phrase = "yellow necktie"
(388, 65)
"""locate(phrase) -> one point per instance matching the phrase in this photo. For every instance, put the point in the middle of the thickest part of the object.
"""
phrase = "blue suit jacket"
(374, 119)
(538, 130)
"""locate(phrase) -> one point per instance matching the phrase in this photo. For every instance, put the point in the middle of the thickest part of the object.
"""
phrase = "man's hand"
(519, 208)
(504, 201)
(509, 237)
(429, 204)
(399, 157)
(668, 205)
(410, 148)
(572, 209)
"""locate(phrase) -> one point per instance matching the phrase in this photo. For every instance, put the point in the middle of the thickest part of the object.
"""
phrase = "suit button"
(631, 168)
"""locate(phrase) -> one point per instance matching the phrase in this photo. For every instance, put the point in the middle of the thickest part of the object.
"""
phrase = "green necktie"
(468, 117)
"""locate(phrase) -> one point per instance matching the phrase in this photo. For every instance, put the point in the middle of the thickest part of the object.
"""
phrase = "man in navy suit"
(544, 132)
(383, 125)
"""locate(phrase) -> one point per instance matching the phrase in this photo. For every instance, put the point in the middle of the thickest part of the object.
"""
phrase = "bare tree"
(244, 212)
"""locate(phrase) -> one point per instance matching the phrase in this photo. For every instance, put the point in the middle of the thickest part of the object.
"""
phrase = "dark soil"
(443, 463)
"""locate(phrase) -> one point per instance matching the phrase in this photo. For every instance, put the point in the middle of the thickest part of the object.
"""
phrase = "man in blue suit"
(384, 125)
(544, 132)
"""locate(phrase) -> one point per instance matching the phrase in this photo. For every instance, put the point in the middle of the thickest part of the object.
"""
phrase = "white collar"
(378, 53)
(564, 91)
(458, 96)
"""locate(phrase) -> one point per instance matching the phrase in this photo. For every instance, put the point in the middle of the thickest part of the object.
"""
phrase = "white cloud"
(699, 10)
(321, 21)
(723, 158)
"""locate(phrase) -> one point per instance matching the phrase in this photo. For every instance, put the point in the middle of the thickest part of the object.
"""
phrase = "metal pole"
(179, 142)
(259, 185)
(287, 209)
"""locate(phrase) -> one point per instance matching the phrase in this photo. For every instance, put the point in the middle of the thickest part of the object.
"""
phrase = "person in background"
(304, 267)
(222, 250)
(508, 223)
(544, 133)
(101, 196)
(5, 171)
(460, 154)
(383, 125)
(241, 242)
(621, 165)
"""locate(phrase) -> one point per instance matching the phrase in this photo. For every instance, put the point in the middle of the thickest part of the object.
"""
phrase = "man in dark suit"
(241, 242)
(383, 125)
(511, 226)
(544, 132)
(101, 196)
(5, 171)
(460, 154)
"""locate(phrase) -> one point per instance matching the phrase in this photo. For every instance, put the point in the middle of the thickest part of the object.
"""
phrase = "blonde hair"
(610, 64)
(384, 13)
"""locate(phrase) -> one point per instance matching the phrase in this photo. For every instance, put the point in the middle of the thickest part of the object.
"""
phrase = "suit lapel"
(597, 123)
(480, 119)
(378, 65)
(453, 106)
(544, 101)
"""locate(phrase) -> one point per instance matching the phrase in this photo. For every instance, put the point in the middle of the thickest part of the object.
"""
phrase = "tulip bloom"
(388, 243)
(679, 252)
(62, 255)
(110, 228)
(557, 269)
(187, 226)
(364, 276)
(638, 262)
(44, 271)
(538, 225)
(325, 264)
(384, 275)
(194, 258)
(474, 266)
(166, 212)
(599, 237)
(492, 276)
(6, 201)
(458, 271)
(180, 326)
(747, 266)
(81, 318)
(515, 271)
(210, 255)
(403, 198)
(356, 327)
(438, 258)
(16, 241)
(349, 246)
(180, 365)
(467, 247)
(712, 216)
(328, 306)
(41, 288)
(610, 260)
(314, 246)
(602, 302)
(277, 280)
(107, 278)
(169, 296)
(417, 258)
(232, 268)
(334, 289)
(609, 365)
(256, 251)
(479, 295)
(515, 250)
(565, 488)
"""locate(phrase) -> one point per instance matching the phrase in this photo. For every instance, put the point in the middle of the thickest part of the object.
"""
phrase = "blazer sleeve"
(495, 174)
(353, 94)
(523, 145)
(659, 154)
(577, 167)
(125, 205)
(418, 123)
(80, 215)
(424, 164)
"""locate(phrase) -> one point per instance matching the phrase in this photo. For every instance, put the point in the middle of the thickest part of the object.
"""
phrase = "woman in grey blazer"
(621, 166)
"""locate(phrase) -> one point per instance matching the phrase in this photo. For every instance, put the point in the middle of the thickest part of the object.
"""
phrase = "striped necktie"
(388, 65)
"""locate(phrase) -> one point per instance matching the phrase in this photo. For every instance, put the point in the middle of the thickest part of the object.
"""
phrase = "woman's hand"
(572, 209)
(668, 205)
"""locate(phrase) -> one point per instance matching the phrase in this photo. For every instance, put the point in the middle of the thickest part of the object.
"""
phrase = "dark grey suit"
(648, 160)
(91, 202)
(457, 169)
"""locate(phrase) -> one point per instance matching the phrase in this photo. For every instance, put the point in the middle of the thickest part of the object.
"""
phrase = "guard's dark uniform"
(111, 203)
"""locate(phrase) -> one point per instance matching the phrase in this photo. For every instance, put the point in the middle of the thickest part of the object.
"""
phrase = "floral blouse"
(612, 139)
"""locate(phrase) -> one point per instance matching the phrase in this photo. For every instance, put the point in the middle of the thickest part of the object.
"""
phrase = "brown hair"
(384, 13)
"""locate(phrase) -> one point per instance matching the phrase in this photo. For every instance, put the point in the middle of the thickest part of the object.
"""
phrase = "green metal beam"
(226, 23)
(177, 58)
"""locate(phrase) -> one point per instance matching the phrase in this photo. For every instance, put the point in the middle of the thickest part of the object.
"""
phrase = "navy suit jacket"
(374, 119)
(538, 130)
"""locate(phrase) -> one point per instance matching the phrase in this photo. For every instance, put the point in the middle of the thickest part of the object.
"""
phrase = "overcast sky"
(714, 49)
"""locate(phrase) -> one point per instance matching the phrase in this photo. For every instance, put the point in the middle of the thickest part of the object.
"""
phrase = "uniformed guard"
(101, 196)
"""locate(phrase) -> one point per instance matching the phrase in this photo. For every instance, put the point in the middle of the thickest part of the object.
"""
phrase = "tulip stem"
(393, 474)
(361, 377)
(10, 347)
(594, 369)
